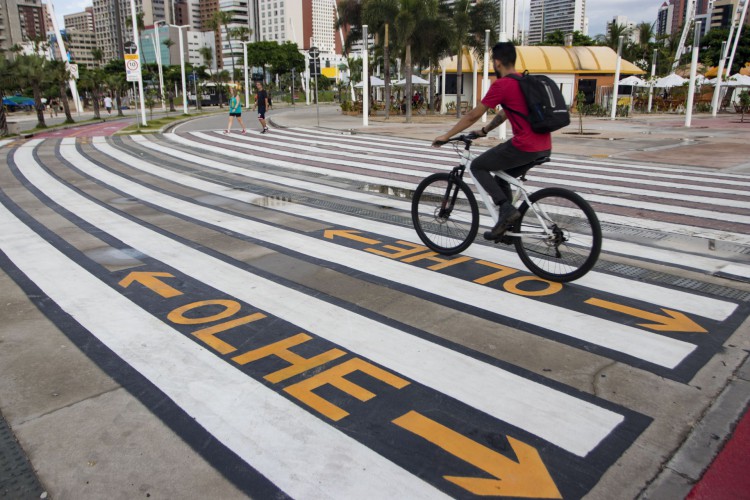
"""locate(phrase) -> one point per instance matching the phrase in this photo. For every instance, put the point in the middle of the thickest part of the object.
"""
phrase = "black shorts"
(235, 114)
(261, 114)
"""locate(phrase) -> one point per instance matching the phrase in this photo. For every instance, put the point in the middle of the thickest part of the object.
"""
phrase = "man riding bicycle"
(523, 148)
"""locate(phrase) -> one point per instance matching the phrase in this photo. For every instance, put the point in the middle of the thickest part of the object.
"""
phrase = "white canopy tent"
(633, 81)
(737, 80)
(415, 80)
(374, 82)
(672, 80)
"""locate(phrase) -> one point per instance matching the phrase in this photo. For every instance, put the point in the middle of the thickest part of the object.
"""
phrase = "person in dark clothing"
(261, 103)
(524, 147)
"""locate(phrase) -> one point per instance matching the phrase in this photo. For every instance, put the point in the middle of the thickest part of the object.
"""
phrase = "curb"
(705, 441)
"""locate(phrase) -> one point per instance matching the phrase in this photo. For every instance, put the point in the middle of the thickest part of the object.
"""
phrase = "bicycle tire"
(445, 232)
(574, 250)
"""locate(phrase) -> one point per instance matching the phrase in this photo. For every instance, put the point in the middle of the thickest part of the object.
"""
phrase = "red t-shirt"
(507, 93)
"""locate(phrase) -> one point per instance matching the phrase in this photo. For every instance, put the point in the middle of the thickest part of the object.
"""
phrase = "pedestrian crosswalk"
(325, 397)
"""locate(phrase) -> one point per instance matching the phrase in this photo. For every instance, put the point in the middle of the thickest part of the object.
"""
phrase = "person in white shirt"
(108, 104)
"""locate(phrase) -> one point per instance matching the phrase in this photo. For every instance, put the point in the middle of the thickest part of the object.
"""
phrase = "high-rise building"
(722, 13)
(664, 19)
(308, 23)
(630, 26)
(80, 21)
(112, 26)
(546, 16)
(22, 22)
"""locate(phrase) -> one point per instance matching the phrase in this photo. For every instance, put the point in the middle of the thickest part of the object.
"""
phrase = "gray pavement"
(51, 396)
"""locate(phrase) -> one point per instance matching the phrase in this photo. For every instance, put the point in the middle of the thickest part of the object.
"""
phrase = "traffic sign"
(132, 67)
(314, 52)
(73, 68)
(130, 47)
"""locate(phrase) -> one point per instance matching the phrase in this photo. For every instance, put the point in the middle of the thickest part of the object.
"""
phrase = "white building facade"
(546, 16)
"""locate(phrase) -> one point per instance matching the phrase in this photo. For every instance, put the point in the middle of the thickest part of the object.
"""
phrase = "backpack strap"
(517, 78)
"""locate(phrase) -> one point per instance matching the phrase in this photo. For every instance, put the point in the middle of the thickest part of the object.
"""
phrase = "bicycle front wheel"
(569, 246)
(445, 214)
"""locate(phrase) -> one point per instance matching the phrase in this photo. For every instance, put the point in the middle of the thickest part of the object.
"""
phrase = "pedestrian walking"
(108, 104)
(261, 103)
(235, 111)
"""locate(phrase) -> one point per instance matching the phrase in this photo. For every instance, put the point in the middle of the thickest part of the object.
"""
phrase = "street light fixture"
(157, 48)
(182, 67)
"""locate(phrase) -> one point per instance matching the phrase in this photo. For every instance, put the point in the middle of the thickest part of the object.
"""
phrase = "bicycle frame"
(519, 193)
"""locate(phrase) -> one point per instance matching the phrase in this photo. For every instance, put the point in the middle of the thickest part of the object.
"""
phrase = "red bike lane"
(98, 129)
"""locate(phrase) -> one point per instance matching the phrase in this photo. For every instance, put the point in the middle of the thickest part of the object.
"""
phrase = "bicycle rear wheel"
(445, 214)
(572, 246)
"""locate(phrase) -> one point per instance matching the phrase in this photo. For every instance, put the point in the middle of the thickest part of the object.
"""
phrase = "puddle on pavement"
(123, 201)
(108, 256)
(389, 190)
(273, 201)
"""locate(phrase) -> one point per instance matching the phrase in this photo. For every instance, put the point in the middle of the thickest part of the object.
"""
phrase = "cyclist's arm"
(465, 122)
(499, 118)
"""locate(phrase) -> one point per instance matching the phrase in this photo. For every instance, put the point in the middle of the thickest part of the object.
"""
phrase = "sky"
(599, 12)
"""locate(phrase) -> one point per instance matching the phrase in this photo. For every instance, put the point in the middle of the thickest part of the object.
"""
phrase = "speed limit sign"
(132, 67)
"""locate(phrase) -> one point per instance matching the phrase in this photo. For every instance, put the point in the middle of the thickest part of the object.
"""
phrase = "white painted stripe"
(325, 464)
(650, 182)
(309, 155)
(625, 164)
(664, 297)
(641, 344)
(651, 224)
(3, 142)
(672, 174)
(561, 419)
(737, 270)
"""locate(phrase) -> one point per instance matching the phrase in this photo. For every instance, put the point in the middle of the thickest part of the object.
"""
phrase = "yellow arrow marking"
(528, 477)
(350, 234)
(150, 279)
(674, 321)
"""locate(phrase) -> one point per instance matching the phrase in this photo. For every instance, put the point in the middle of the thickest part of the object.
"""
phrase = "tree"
(433, 44)
(471, 21)
(614, 32)
(91, 80)
(114, 76)
(711, 47)
(377, 14)
(60, 76)
(6, 78)
(32, 71)
(557, 37)
(222, 19)
(744, 98)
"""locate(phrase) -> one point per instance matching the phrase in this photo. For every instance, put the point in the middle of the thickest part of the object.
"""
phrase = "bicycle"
(558, 236)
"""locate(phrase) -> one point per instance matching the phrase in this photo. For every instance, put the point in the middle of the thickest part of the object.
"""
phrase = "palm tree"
(433, 45)
(91, 80)
(221, 19)
(141, 27)
(377, 14)
(470, 22)
(614, 32)
(411, 15)
(6, 77)
(59, 74)
(31, 71)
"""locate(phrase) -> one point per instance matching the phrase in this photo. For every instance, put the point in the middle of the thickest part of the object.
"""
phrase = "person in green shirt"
(235, 111)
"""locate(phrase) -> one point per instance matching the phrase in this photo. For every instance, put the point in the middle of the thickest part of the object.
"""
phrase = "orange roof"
(557, 59)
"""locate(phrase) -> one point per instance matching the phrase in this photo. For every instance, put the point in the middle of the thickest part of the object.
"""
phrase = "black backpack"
(547, 109)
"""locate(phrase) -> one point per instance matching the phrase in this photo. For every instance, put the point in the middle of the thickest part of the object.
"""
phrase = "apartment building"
(546, 16)
(112, 26)
(80, 21)
(21, 22)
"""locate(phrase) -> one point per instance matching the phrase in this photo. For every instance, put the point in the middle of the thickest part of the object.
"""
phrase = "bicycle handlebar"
(465, 138)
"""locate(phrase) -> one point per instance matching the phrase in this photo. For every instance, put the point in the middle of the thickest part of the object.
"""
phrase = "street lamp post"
(182, 66)
(653, 74)
(139, 52)
(613, 113)
(247, 83)
(486, 73)
(693, 69)
(157, 48)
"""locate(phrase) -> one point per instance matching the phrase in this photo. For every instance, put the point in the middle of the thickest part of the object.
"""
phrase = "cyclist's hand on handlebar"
(439, 141)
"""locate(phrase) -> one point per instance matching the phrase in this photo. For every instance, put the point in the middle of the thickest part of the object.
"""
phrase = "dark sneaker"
(264, 131)
(508, 215)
